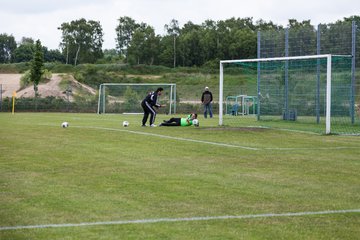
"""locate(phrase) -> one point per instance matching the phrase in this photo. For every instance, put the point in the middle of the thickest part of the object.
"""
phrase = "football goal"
(126, 97)
(310, 93)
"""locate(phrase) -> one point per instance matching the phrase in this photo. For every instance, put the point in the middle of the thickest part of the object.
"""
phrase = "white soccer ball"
(125, 123)
(196, 122)
(65, 124)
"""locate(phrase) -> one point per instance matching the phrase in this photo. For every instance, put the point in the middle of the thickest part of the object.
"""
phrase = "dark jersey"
(151, 98)
(206, 97)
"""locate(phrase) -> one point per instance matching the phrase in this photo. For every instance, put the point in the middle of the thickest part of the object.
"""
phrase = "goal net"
(126, 97)
(308, 93)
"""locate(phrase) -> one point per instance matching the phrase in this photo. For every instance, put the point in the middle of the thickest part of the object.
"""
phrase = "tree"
(53, 55)
(192, 50)
(151, 46)
(124, 34)
(37, 65)
(131, 99)
(134, 50)
(24, 52)
(144, 45)
(302, 38)
(27, 40)
(7, 48)
(267, 26)
(210, 40)
(111, 56)
(82, 41)
(336, 38)
(166, 52)
(356, 19)
(173, 30)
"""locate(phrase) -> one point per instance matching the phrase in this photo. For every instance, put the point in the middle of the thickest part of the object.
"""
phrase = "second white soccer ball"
(125, 123)
(65, 124)
(196, 122)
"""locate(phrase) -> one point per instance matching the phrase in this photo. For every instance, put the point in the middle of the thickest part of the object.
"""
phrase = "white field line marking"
(220, 144)
(313, 133)
(174, 138)
(212, 143)
(157, 220)
(284, 129)
(303, 148)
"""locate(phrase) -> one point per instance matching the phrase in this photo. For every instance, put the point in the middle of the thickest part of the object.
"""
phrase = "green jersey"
(186, 121)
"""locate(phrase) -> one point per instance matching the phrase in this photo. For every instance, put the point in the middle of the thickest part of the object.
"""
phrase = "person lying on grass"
(172, 122)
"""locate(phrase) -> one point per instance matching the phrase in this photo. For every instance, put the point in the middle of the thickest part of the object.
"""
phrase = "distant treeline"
(136, 43)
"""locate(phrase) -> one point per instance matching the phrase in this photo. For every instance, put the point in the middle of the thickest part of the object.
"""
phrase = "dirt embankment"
(11, 82)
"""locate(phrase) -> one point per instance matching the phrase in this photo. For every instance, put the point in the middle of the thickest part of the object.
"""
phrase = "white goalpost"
(302, 83)
(126, 97)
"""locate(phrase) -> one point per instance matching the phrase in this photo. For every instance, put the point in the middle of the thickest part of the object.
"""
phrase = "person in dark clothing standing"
(206, 100)
(148, 104)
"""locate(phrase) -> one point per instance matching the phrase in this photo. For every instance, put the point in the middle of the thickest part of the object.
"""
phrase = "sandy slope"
(11, 83)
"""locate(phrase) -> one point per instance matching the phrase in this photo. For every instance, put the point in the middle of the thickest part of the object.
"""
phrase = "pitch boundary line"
(212, 143)
(303, 148)
(174, 138)
(216, 143)
(186, 219)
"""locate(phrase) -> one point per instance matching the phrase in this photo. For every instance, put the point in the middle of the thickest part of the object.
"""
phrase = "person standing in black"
(148, 104)
(206, 100)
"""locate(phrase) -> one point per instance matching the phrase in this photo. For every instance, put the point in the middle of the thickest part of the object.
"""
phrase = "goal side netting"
(310, 93)
(126, 97)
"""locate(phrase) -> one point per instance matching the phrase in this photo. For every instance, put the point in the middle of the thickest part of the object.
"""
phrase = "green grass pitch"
(97, 171)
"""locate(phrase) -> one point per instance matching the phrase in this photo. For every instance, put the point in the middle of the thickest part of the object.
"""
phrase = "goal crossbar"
(282, 58)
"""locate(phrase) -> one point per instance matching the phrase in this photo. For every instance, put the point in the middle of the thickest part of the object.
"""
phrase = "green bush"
(14, 67)
(60, 67)
(25, 79)
(131, 99)
(49, 104)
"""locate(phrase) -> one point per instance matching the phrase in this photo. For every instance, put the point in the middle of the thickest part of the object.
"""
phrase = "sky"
(40, 19)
